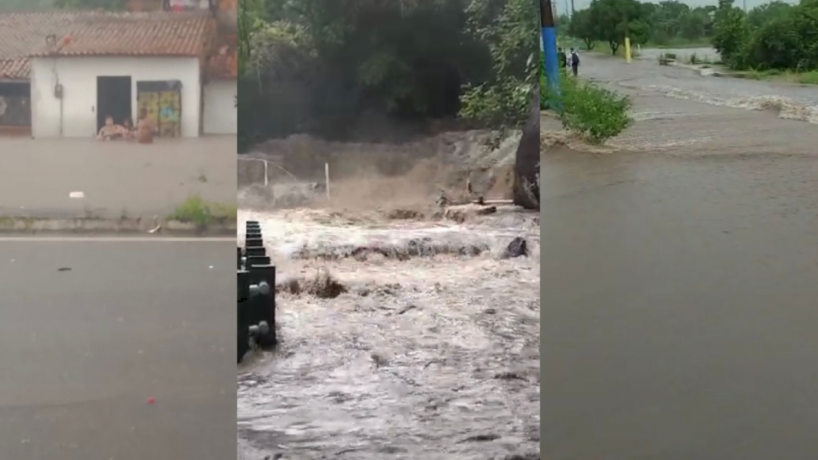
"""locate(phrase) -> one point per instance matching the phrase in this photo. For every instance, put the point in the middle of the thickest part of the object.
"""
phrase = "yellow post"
(627, 50)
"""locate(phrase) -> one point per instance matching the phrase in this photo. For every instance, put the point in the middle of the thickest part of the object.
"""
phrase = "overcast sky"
(565, 5)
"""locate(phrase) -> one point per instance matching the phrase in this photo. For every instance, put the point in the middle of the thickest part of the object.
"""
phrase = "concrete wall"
(220, 113)
(79, 79)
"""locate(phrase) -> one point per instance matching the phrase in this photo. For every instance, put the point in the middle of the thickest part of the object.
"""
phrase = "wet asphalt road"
(680, 297)
(82, 351)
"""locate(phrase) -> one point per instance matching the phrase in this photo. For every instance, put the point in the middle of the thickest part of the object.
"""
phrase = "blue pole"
(549, 45)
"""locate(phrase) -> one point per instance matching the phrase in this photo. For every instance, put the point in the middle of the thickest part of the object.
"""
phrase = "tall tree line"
(341, 68)
(775, 35)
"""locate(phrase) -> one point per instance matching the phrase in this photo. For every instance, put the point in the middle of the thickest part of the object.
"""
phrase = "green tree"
(730, 32)
(583, 27)
(638, 31)
(667, 18)
(324, 67)
(613, 19)
(692, 26)
(563, 23)
(789, 41)
(503, 101)
(763, 14)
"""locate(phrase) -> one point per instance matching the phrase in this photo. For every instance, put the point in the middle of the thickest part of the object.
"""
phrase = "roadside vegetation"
(586, 109)
(201, 213)
(776, 40)
(341, 69)
(770, 41)
(668, 24)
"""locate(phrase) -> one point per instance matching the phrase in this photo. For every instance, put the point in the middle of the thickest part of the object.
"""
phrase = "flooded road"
(139, 180)
(679, 284)
(678, 109)
(431, 352)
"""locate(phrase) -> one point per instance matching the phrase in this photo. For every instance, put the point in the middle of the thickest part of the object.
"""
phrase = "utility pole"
(549, 46)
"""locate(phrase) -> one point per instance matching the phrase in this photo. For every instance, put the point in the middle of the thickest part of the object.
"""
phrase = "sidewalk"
(116, 180)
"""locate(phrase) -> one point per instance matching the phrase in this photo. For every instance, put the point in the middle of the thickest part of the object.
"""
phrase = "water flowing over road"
(677, 108)
(429, 348)
(679, 284)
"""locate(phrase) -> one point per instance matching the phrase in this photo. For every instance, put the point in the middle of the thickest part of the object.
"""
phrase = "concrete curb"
(28, 225)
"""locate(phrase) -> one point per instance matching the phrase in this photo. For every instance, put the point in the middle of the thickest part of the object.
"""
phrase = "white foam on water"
(786, 108)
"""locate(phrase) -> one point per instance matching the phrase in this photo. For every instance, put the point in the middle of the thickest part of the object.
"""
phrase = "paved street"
(83, 350)
(680, 306)
(117, 178)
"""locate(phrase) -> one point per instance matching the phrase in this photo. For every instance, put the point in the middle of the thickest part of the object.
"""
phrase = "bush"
(595, 113)
(783, 43)
(201, 213)
(762, 41)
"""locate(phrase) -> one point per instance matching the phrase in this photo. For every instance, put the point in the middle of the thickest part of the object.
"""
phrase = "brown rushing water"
(432, 357)
(678, 110)
(680, 277)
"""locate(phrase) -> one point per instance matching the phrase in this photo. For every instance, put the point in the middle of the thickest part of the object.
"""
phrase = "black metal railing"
(256, 300)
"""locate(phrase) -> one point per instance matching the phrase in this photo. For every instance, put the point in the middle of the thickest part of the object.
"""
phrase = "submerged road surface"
(91, 330)
(681, 286)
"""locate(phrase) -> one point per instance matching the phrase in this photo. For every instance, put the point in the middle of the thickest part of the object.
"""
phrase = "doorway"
(114, 98)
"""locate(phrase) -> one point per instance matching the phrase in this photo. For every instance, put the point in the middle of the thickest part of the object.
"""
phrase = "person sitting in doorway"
(127, 130)
(109, 130)
(145, 129)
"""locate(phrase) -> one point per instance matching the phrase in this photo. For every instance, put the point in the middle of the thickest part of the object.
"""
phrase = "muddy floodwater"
(679, 289)
(431, 351)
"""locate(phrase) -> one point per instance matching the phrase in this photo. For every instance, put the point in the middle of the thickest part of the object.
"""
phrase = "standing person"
(563, 59)
(145, 129)
(574, 62)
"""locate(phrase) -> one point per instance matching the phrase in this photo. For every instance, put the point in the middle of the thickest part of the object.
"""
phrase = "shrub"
(592, 111)
(201, 213)
(587, 109)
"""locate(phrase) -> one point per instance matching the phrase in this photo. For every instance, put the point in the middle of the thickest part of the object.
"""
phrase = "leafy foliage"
(772, 36)
(502, 102)
(775, 35)
(585, 27)
(762, 14)
(730, 31)
(611, 20)
(614, 19)
(339, 68)
(594, 112)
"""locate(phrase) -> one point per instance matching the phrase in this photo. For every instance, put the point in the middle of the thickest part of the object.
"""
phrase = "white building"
(83, 67)
(220, 91)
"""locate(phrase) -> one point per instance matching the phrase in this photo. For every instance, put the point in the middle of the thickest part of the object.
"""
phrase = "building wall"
(78, 76)
(220, 113)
